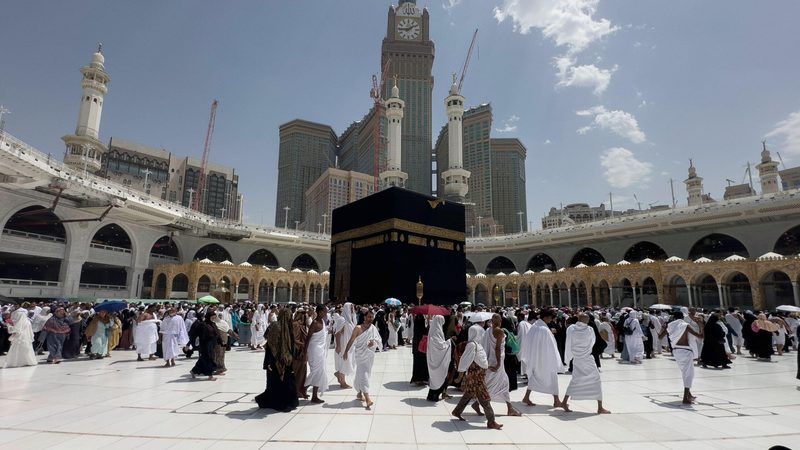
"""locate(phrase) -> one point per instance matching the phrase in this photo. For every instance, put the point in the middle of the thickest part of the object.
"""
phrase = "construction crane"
(466, 61)
(201, 182)
(377, 98)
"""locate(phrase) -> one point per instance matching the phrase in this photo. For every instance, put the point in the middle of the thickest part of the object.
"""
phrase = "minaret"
(767, 171)
(393, 175)
(84, 149)
(455, 177)
(694, 186)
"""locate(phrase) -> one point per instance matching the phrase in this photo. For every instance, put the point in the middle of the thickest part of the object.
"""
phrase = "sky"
(607, 96)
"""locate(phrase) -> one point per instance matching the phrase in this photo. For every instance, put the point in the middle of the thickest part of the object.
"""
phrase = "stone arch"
(305, 262)
(471, 268)
(481, 294)
(737, 290)
(675, 291)
(707, 292)
(776, 289)
(525, 297)
(203, 285)
(263, 257)
(165, 246)
(649, 292)
(717, 246)
(500, 264)
(645, 249)
(282, 291)
(113, 235)
(243, 288)
(788, 244)
(601, 296)
(541, 261)
(161, 286)
(38, 220)
(180, 283)
(587, 256)
(214, 252)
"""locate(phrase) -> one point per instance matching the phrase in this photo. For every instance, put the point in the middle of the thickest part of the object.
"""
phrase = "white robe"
(684, 354)
(345, 324)
(258, 328)
(522, 330)
(173, 330)
(634, 344)
(21, 352)
(317, 358)
(736, 326)
(542, 360)
(585, 382)
(496, 381)
(438, 354)
(145, 337)
(392, 341)
(364, 353)
(610, 347)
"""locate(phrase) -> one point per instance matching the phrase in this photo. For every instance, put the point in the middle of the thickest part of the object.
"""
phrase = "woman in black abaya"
(419, 373)
(714, 353)
(281, 392)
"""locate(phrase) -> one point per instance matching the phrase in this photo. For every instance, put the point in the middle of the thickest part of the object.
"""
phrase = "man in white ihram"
(585, 383)
(542, 360)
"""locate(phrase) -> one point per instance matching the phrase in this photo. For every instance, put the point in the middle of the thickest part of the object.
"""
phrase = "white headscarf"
(438, 353)
(474, 351)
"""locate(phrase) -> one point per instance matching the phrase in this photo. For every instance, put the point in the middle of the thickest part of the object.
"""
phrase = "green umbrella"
(208, 299)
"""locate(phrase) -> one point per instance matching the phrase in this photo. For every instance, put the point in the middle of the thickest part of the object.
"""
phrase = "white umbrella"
(788, 308)
(479, 316)
(660, 306)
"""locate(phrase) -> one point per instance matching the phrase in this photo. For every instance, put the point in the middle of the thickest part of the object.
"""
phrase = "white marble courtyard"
(119, 403)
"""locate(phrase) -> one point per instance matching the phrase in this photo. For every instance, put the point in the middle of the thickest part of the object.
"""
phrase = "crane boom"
(466, 61)
(201, 182)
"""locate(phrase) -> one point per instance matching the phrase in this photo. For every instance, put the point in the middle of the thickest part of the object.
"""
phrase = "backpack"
(627, 330)
(511, 341)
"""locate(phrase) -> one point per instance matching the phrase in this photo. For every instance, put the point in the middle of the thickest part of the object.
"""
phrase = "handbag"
(423, 345)
(511, 341)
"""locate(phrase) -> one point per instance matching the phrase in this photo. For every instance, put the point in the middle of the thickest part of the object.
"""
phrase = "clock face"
(408, 29)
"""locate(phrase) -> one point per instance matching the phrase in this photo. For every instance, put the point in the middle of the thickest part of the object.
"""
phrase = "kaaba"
(383, 244)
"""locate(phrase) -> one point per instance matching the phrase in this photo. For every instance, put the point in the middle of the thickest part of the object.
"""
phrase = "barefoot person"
(585, 382)
(542, 360)
(679, 331)
(145, 337)
(174, 336)
(343, 328)
(474, 362)
(364, 341)
(317, 354)
(438, 357)
(494, 344)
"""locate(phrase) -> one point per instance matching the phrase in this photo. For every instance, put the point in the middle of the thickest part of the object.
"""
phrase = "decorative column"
(796, 293)
(551, 295)
(274, 292)
(633, 289)
(721, 297)
(689, 293)
(306, 295)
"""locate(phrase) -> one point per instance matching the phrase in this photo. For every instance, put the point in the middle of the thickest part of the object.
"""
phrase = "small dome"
(469, 276)
(500, 274)
(296, 270)
(313, 272)
(646, 261)
(266, 268)
(206, 261)
(674, 259)
(702, 259)
(770, 256)
(735, 257)
(226, 263)
(529, 272)
(546, 271)
(98, 60)
(601, 264)
(623, 263)
(280, 269)
(480, 275)
(325, 272)
(245, 264)
(514, 273)
(581, 266)
(561, 270)
(395, 90)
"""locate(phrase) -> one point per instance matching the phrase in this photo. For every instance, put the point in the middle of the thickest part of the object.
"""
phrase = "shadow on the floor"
(402, 386)
(419, 402)
(449, 426)
(574, 415)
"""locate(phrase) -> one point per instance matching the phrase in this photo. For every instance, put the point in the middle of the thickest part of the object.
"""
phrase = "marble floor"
(119, 403)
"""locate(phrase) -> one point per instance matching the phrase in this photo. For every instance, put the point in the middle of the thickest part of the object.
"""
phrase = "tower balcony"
(81, 162)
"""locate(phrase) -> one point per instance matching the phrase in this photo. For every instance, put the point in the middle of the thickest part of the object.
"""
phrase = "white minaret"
(84, 149)
(767, 171)
(694, 186)
(393, 175)
(455, 177)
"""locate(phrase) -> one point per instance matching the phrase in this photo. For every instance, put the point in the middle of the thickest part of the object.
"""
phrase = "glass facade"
(508, 184)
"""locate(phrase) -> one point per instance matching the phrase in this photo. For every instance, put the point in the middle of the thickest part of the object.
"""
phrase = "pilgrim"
(585, 382)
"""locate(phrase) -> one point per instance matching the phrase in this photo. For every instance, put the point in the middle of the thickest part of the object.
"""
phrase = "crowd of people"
(482, 353)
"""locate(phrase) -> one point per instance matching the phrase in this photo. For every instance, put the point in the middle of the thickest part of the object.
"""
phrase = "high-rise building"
(333, 189)
(306, 150)
(173, 178)
(83, 149)
(576, 213)
(509, 208)
(477, 154)
(407, 44)
(790, 178)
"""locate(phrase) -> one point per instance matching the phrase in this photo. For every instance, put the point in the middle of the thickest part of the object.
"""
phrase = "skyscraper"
(508, 185)
(306, 150)
(408, 45)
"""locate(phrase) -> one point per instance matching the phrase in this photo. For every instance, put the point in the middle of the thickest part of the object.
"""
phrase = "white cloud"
(547, 142)
(622, 169)
(567, 22)
(787, 132)
(618, 122)
(587, 75)
(450, 4)
(509, 125)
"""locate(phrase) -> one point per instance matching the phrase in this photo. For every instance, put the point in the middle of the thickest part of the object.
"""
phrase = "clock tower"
(408, 45)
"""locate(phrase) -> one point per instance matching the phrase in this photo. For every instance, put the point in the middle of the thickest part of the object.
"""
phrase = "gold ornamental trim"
(398, 224)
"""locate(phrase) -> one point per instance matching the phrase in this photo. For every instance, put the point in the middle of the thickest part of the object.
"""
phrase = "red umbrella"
(430, 310)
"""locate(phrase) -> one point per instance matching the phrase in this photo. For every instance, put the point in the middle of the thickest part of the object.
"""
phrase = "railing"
(164, 257)
(40, 237)
(103, 287)
(110, 248)
(38, 283)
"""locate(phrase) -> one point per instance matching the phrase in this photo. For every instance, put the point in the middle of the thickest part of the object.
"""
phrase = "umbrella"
(392, 301)
(788, 308)
(465, 304)
(431, 310)
(208, 299)
(479, 316)
(660, 306)
(111, 306)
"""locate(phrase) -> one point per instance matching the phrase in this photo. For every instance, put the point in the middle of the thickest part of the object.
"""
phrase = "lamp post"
(520, 213)
(420, 290)
(286, 218)
(472, 230)
(319, 228)
(222, 213)
(480, 228)
(296, 225)
(324, 223)
(146, 173)
(191, 195)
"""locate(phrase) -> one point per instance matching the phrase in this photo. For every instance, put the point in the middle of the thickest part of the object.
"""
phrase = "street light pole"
(222, 213)
(472, 230)
(286, 218)
(319, 228)
(146, 173)
(296, 225)
(520, 213)
(191, 195)
(480, 228)
(324, 223)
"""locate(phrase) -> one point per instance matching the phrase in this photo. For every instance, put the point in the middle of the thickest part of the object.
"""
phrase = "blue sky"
(606, 96)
